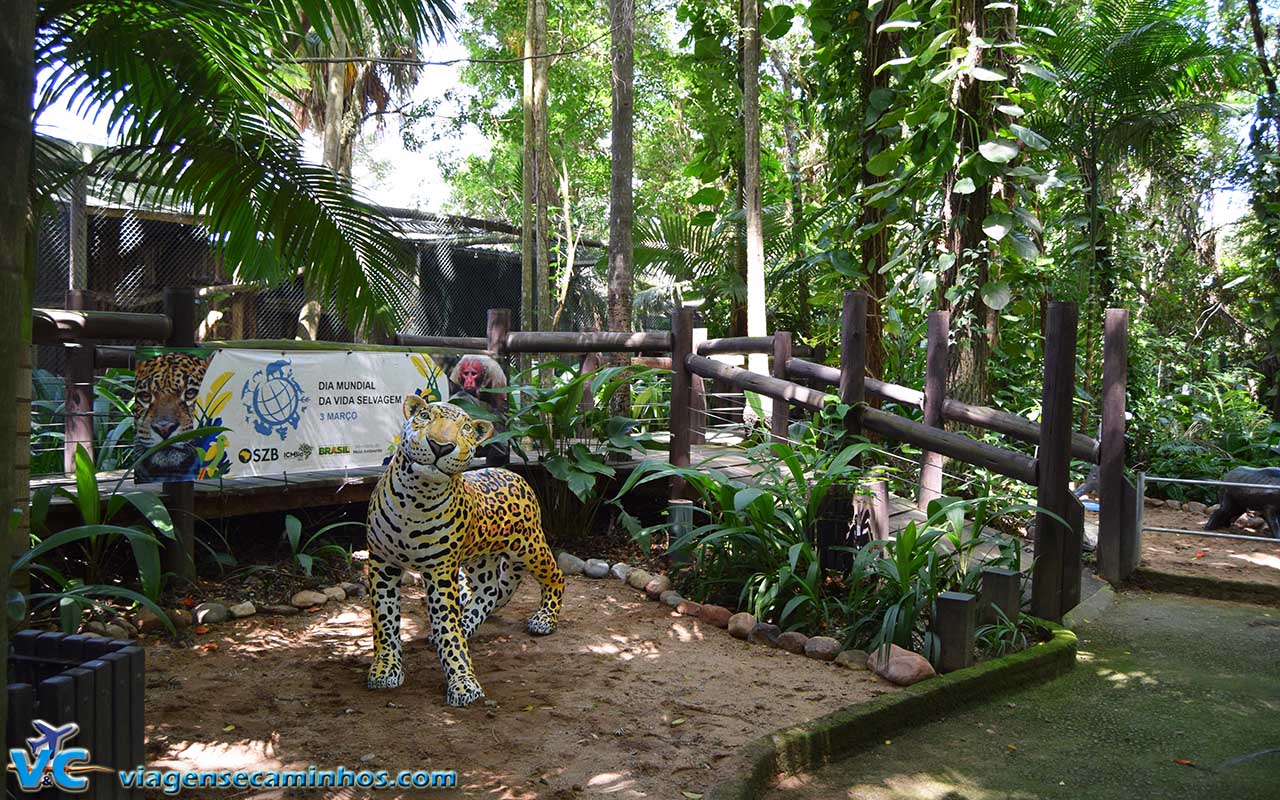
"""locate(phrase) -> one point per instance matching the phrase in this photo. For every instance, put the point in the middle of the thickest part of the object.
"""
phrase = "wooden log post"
(77, 422)
(954, 626)
(1118, 533)
(879, 510)
(179, 553)
(781, 422)
(680, 517)
(853, 359)
(698, 396)
(1000, 590)
(681, 396)
(497, 325)
(935, 394)
(1057, 570)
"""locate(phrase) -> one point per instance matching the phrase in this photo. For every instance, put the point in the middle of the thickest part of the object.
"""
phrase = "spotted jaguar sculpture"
(1235, 500)
(471, 534)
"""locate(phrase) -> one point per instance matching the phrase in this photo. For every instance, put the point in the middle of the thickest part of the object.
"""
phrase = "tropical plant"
(1005, 635)
(112, 420)
(305, 552)
(575, 443)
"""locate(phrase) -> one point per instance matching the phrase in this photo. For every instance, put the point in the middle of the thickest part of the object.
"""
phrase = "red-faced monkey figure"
(473, 373)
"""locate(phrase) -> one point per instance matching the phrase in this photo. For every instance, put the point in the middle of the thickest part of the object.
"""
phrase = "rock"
(308, 598)
(900, 666)
(596, 568)
(180, 617)
(656, 586)
(689, 608)
(368, 758)
(281, 610)
(211, 613)
(147, 622)
(94, 626)
(1152, 502)
(354, 590)
(621, 571)
(715, 615)
(670, 598)
(335, 593)
(765, 633)
(793, 642)
(126, 624)
(1250, 521)
(638, 579)
(1195, 508)
(823, 648)
(242, 610)
(1175, 504)
(114, 631)
(570, 564)
(853, 659)
(741, 625)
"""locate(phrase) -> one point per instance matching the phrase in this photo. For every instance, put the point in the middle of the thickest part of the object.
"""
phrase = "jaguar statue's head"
(441, 435)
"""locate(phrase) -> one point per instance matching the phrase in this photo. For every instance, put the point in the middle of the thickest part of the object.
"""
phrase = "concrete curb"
(1090, 608)
(1201, 586)
(820, 741)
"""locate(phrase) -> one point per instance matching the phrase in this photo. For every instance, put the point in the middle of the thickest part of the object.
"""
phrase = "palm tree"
(192, 93)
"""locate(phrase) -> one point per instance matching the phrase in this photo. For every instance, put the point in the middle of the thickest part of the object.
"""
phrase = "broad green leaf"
(882, 163)
(988, 75)
(998, 151)
(1024, 246)
(996, 294)
(1029, 137)
(746, 497)
(292, 531)
(1011, 109)
(997, 226)
(775, 21)
(898, 25)
(964, 186)
(1044, 73)
(152, 509)
(707, 196)
(895, 62)
(86, 498)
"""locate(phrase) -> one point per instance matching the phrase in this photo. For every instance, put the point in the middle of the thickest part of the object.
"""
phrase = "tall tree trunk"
(792, 137)
(738, 315)
(1266, 135)
(17, 86)
(570, 244)
(622, 20)
(751, 192)
(544, 183)
(528, 254)
(963, 215)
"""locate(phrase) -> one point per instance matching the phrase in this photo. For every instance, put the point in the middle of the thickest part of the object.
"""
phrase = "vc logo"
(51, 763)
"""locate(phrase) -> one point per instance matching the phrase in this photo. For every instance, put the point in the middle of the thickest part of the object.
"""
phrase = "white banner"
(286, 411)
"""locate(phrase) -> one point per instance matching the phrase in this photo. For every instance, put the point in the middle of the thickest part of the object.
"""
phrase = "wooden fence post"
(879, 510)
(853, 358)
(179, 553)
(954, 626)
(497, 325)
(698, 395)
(1119, 536)
(77, 422)
(681, 424)
(935, 394)
(1000, 590)
(781, 422)
(1055, 587)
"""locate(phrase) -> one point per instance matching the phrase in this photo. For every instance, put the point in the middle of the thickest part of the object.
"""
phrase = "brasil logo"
(273, 400)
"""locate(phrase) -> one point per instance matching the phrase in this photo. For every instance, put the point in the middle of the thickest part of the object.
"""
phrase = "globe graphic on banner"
(273, 400)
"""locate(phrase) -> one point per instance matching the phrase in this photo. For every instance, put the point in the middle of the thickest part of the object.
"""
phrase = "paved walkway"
(1173, 698)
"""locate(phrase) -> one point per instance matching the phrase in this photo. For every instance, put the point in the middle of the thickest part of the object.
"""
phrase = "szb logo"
(51, 764)
(259, 454)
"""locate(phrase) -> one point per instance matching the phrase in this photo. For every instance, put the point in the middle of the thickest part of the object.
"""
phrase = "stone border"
(1203, 586)
(817, 742)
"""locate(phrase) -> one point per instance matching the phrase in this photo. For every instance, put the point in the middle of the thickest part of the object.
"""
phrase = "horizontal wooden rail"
(590, 342)
(450, 342)
(736, 345)
(1082, 447)
(776, 388)
(58, 326)
(114, 355)
(952, 445)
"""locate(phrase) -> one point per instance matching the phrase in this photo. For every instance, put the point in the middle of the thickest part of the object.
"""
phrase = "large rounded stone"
(211, 613)
(741, 625)
(1174, 504)
(1195, 507)
(280, 610)
(689, 608)
(114, 631)
(853, 659)
(670, 598)
(793, 642)
(570, 564)
(335, 593)
(308, 598)
(715, 615)
(596, 568)
(900, 666)
(656, 586)
(638, 579)
(180, 617)
(823, 648)
(242, 610)
(621, 571)
(354, 590)
(765, 633)
(147, 622)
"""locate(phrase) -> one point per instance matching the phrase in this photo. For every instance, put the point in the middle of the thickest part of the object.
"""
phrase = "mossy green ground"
(1160, 678)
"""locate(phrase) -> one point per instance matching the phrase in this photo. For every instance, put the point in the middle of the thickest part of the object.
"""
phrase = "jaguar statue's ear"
(413, 404)
(484, 429)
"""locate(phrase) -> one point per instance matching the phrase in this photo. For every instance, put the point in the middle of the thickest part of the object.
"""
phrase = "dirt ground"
(1227, 559)
(625, 700)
